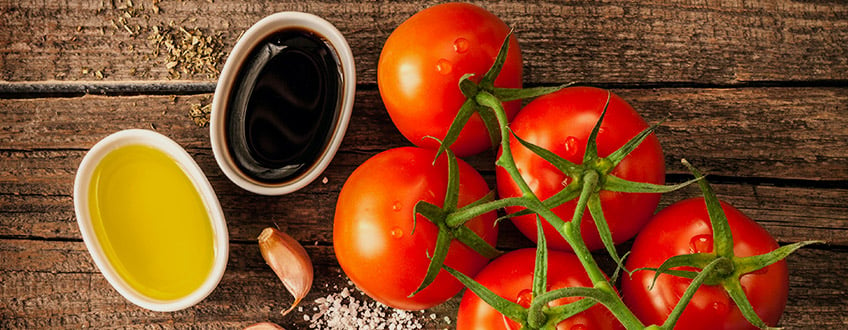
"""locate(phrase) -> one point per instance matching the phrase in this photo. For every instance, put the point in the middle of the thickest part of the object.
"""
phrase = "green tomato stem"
(690, 292)
(571, 230)
(459, 217)
(568, 230)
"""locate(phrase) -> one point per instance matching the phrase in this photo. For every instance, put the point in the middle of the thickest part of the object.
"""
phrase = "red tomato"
(511, 276)
(561, 122)
(684, 228)
(422, 61)
(372, 232)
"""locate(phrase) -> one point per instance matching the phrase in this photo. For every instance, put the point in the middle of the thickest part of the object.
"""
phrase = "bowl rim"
(201, 183)
(254, 35)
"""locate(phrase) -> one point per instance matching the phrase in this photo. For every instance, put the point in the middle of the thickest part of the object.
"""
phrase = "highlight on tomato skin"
(511, 276)
(562, 122)
(373, 234)
(422, 62)
(684, 228)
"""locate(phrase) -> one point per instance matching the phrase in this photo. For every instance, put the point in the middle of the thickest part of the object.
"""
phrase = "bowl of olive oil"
(150, 220)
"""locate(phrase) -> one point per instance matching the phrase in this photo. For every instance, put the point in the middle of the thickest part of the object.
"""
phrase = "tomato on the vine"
(422, 62)
(684, 228)
(511, 276)
(562, 122)
(373, 233)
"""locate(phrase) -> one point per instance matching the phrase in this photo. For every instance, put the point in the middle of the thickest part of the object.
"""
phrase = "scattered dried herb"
(185, 52)
(188, 52)
(199, 112)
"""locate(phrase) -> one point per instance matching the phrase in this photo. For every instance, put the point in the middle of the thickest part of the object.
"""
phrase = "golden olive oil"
(151, 222)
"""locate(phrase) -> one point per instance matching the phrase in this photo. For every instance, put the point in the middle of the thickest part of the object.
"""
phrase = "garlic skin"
(289, 261)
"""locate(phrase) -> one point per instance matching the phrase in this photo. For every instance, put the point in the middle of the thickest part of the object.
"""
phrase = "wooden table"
(757, 93)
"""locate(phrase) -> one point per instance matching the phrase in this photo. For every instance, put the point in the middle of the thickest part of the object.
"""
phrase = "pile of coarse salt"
(344, 311)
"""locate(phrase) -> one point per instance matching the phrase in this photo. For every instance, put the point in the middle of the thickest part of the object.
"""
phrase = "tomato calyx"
(586, 181)
(540, 314)
(591, 177)
(448, 218)
(470, 89)
(544, 315)
(721, 267)
(448, 231)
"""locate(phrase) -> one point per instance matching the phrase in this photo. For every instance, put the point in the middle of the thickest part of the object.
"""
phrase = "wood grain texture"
(56, 285)
(42, 207)
(616, 42)
(45, 139)
(756, 93)
(789, 133)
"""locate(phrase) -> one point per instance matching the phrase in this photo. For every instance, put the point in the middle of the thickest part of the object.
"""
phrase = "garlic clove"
(264, 326)
(289, 261)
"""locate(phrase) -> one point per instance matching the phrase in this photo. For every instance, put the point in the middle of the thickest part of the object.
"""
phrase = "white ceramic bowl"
(204, 189)
(226, 81)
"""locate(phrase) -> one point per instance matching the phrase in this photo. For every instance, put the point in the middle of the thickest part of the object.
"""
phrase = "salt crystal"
(344, 311)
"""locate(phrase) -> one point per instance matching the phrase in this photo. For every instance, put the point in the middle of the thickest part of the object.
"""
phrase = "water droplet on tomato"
(397, 232)
(570, 146)
(524, 298)
(720, 308)
(396, 206)
(444, 66)
(578, 327)
(460, 45)
(701, 244)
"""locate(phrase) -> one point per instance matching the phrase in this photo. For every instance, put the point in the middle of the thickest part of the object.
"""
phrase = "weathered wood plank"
(55, 285)
(790, 214)
(620, 41)
(794, 133)
(781, 151)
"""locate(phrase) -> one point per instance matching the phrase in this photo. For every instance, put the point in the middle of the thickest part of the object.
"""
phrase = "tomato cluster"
(576, 149)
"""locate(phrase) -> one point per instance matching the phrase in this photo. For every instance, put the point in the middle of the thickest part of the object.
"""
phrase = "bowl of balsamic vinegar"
(282, 103)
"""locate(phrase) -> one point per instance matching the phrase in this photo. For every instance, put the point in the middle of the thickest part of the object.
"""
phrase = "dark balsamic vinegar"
(284, 106)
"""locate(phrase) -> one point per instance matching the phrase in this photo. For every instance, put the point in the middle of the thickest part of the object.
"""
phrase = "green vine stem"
(447, 233)
(588, 180)
(721, 267)
(569, 230)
